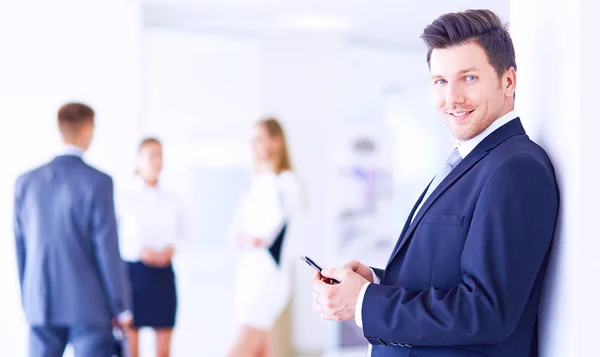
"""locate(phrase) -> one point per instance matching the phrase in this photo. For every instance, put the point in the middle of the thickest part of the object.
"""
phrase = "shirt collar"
(466, 147)
(70, 150)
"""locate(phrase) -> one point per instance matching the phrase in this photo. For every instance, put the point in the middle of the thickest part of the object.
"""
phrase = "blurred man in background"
(73, 281)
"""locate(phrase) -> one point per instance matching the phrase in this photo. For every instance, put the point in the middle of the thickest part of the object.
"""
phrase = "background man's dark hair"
(480, 26)
(72, 116)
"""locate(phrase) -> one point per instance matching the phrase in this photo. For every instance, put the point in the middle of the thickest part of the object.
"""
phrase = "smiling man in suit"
(466, 275)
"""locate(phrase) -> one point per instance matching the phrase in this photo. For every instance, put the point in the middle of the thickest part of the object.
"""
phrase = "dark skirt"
(154, 295)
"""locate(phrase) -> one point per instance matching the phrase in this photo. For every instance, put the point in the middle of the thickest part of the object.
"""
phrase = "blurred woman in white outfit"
(150, 226)
(259, 233)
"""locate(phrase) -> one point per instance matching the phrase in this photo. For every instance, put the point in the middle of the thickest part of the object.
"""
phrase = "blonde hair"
(282, 157)
(282, 160)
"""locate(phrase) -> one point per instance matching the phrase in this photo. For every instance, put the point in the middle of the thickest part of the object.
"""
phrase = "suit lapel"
(508, 130)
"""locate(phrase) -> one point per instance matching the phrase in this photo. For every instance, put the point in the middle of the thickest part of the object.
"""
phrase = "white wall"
(557, 57)
(53, 52)
(590, 246)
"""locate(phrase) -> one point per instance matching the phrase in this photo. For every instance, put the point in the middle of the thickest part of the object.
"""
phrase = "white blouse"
(148, 217)
(271, 202)
(262, 288)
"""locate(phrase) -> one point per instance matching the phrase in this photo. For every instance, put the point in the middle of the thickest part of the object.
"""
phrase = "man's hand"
(338, 301)
(126, 324)
(360, 269)
(124, 320)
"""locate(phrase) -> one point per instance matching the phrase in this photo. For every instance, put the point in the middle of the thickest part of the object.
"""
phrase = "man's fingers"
(352, 265)
(328, 299)
(322, 287)
(329, 317)
(335, 273)
(320, 308)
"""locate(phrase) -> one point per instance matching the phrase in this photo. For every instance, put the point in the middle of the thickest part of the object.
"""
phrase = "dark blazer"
(465, 277)
(70, 269)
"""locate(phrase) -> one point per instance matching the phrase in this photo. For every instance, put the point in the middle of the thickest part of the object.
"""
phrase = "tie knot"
(451, 162)
(454, 159)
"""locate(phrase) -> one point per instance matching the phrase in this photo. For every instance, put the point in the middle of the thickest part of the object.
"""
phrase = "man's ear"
(509, 82)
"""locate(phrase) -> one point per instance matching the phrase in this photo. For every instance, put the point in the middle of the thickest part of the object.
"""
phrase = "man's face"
(150, 161)
(467, 90)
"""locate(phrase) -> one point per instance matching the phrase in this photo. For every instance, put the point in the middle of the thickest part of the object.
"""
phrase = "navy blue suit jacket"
(70, 269)
(465, 277)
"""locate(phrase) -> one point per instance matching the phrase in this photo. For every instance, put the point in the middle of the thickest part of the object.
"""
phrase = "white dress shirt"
(464, 149)
(70, 150)
(148, 216)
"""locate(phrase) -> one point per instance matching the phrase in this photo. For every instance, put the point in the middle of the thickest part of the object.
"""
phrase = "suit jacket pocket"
(446, 219)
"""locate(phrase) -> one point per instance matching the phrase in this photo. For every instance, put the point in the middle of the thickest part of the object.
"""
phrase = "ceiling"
(391, 21)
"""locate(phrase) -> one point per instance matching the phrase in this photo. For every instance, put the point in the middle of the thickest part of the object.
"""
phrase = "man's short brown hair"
(72, 116)
(480, 26)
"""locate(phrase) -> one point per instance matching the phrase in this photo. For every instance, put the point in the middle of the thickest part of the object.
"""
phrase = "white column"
(54, 52)
(557, 90)
(590, 240)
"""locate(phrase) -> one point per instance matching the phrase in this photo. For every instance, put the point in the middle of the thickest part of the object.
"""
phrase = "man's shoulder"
(520, 146)
(90, 172)
(98, 180)
(31, 174)
(519, 157)
(98, 174)
(77, 170)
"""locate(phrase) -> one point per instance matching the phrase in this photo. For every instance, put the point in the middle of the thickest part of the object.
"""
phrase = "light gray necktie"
(451, 162)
